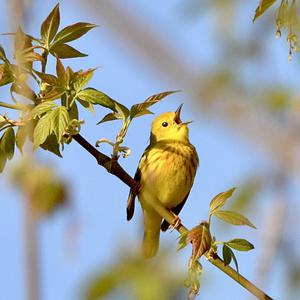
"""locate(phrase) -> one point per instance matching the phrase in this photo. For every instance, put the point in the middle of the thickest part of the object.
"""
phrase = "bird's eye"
(164, 124)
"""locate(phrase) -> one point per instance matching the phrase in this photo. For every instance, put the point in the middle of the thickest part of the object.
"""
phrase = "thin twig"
(113, 167)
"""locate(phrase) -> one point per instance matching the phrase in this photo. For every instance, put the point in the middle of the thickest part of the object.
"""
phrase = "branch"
(113, 167)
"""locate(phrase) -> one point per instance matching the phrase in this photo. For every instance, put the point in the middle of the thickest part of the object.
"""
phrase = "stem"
(113, 167)
(31, 255)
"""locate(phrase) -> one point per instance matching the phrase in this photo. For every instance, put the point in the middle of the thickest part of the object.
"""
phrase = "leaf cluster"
(287, 18)
(203, 243)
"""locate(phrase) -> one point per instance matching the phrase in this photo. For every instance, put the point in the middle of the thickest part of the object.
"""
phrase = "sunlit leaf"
(81, 79)
(6, 75)
(7, 143)
(262, 7)
(41, 109)
(60, 120)
(233, 218)
(50, 25)
(109, 117)
(122, 110)
(48, 78)
(3, 55)
(21, 136)
(72, 32)
(60, 70)
(43, 129)
(65, 51)
(219, 201)
(137, 108)
(240, 244)
(96, 97)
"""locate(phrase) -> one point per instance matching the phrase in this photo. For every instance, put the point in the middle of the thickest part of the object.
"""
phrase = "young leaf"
(60, 120)
(60, 70)
(3, 160)
(219, 201)
(21, 136)
(81, 79)
(96, 97)
(42, 130)
(140, 107)
(72, 32)
(47, 78)
(109, 117)
(233, 218)
(51, 145)
(41, 109)
(2, 55)
(6, 75)
(7, 143)
(262, 7)
(226, 255)
(65, 51)
(182, 240)
(234, 260)
(122, 110)
(50, 26)
(73, 112)
(200, 238)
(240, 244)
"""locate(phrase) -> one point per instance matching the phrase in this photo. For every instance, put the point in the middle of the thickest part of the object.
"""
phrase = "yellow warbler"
(165, 173)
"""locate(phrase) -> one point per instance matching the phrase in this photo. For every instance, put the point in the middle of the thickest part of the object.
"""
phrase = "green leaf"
(51, 145)
(72, 32)
(143, 112)
(140, 107)
(6, 75)
(73, 112)
(109, 117)
(234, 260)
(81, 79)
(2, 55)
(3, 160)
(122, 110)
(60, 70)
(226, 255)
(42, 130)
(50, 26)
(96, 97)
(262, 7)
(21, 136)
(240, 244)
(7, 143)
(182, 240)
(233, 218)
(47, 78)
(60, 120)
(219, 201)
(65, 51)
(41, 109)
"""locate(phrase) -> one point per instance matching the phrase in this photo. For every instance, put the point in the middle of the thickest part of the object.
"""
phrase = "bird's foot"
(176, 222)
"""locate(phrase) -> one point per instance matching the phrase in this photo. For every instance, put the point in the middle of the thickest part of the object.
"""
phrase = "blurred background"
(241, 90)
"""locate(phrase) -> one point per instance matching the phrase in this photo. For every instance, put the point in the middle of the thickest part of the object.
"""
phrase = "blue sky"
(98, 199)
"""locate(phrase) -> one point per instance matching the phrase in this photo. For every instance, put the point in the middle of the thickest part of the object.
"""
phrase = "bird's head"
(168, 126)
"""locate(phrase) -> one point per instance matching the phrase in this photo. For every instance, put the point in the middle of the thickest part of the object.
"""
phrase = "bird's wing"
(132, 195)
(133, 192)
(176, 210)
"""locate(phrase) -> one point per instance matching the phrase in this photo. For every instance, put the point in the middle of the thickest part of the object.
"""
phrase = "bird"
(165, 173)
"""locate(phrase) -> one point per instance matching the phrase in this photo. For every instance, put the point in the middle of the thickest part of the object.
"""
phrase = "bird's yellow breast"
(168, 169)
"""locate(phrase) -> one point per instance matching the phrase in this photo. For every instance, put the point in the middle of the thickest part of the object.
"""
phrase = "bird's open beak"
(177, 119)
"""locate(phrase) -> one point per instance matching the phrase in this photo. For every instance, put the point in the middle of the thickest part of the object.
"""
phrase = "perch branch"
(113, 167)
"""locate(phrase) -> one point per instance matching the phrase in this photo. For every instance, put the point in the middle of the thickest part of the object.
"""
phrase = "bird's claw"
(176, 222)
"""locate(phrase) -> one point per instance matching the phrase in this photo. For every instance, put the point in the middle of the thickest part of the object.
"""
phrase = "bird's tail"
(152, 222)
